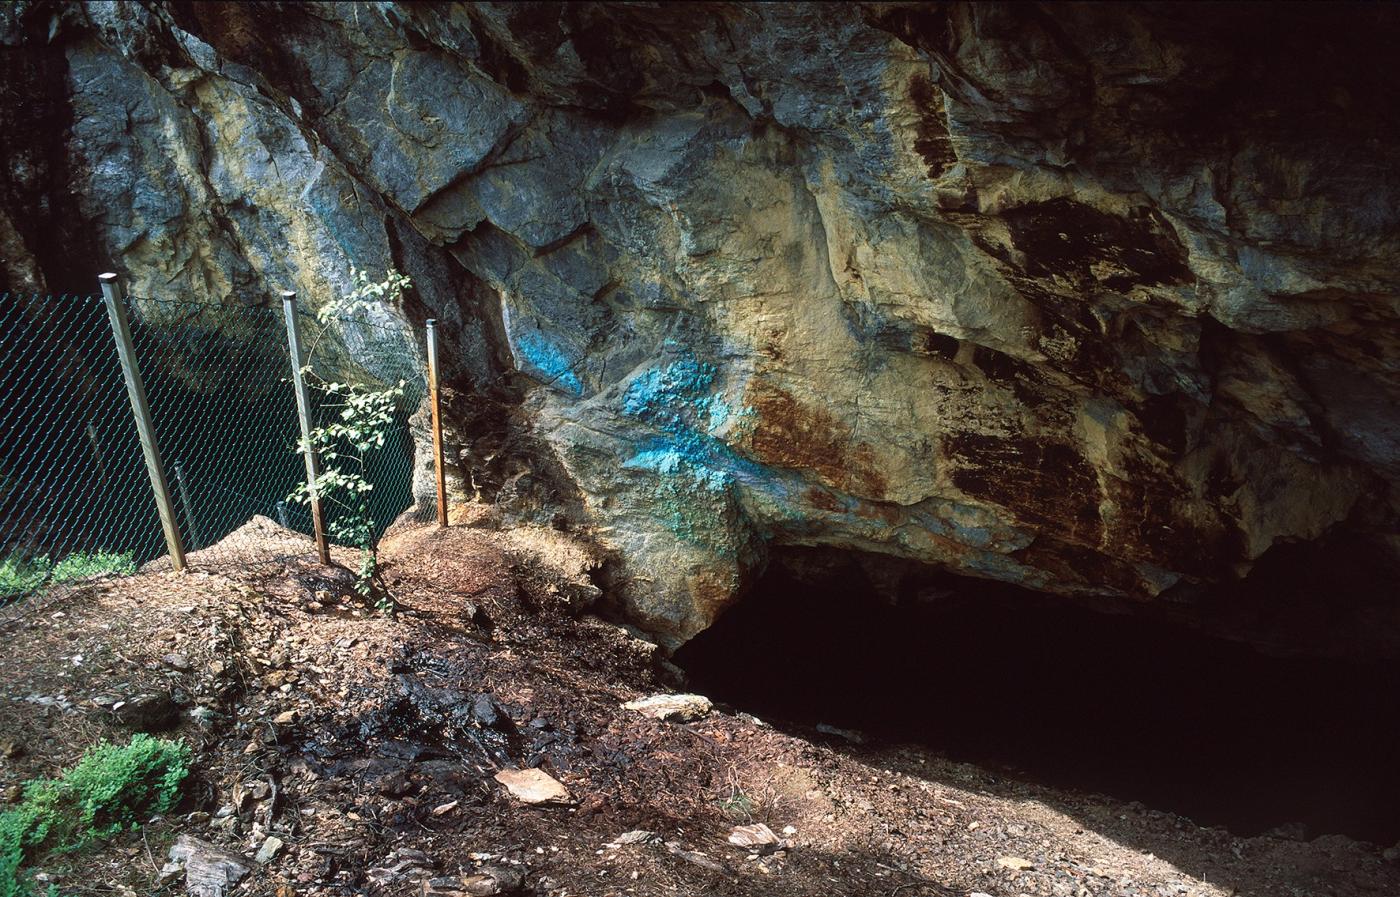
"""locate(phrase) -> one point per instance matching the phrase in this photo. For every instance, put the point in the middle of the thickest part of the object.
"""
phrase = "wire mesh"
(75, 498)
(374, 355)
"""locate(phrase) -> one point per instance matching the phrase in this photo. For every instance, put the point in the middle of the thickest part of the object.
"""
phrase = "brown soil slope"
(368, 745)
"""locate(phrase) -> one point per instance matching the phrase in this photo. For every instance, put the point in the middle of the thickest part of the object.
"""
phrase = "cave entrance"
(1047, 691)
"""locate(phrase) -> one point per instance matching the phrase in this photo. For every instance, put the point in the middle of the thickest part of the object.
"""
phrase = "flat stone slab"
(679, 708)
(758, 838)
(757, 835)
(269, 850)
(209, 871)
(531, 786)
(489, 882)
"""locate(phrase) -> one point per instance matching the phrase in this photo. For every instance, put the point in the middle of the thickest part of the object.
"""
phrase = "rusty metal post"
(313, 460)
(436, 399)
(136, 391)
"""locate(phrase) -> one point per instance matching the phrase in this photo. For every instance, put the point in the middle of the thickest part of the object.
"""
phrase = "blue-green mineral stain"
(720, 412)
(664, 395)
(689, 496)
(678, 400)
(549, 360)
(658, 460)
(689, 459)
(694, 469)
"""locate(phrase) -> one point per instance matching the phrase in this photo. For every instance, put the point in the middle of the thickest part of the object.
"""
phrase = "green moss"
(111, 788)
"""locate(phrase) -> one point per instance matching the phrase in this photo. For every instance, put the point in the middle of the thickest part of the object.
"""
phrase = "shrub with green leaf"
(362, 421)
(21, 577)
(111, 788)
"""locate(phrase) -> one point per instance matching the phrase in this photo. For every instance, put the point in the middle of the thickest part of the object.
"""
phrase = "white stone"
(532, 786)
(681, 708)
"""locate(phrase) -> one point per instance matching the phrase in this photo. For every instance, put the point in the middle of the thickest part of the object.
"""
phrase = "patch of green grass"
(20, 577)
(111, 788)
(736, 805)
(81, 566)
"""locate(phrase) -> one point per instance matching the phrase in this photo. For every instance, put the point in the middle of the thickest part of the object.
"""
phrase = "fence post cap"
(108, 277)
(288, 296)
(432, 322)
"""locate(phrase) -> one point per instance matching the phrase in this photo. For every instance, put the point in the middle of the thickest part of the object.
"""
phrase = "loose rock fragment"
(176, 662)
(209, 871)
(489, 881)
(637, 836)
(758, 838)
(697, 858)
(848, 734)
(147, 712)
(399, 865)
(269, 850)
(681, 708)
(1015, 864)
(532, 786)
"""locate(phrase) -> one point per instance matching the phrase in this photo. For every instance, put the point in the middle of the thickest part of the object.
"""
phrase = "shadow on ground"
(1047, 700)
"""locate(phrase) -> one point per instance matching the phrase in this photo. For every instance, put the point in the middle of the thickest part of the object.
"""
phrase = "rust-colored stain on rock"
(877, 511)
(789, 434)
(1046, 482)
(821, 498)
(933, 142)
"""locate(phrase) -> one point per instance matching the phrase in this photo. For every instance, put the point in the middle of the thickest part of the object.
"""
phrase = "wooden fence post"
(313, 461)
(136, 391)
(436, 400)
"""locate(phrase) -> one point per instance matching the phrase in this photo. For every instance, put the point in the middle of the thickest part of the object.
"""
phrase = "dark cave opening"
(1059, 694)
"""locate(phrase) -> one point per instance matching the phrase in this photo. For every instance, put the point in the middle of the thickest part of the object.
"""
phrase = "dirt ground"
(367, 745)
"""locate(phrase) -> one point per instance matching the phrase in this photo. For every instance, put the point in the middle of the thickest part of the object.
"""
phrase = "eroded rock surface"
(1099, 301)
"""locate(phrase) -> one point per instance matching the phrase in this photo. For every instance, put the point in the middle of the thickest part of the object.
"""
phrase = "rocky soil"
(342, 752)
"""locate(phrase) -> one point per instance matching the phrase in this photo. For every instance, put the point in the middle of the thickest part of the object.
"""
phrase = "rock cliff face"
(1096, 300)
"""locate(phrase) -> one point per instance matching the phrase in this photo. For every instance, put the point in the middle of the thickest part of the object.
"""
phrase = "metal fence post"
(190, 519)
(136, 391)
(313, 461)
(436, 399)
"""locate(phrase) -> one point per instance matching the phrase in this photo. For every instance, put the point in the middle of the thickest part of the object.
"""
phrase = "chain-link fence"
(76, 501)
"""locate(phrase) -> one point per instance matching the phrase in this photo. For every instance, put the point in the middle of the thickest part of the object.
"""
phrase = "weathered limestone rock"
(1096, 301)
(682, 708)
(209, 871)
(757, 837)
(534, 786)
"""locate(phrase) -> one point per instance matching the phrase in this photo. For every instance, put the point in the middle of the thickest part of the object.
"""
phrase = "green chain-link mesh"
(75, 499)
